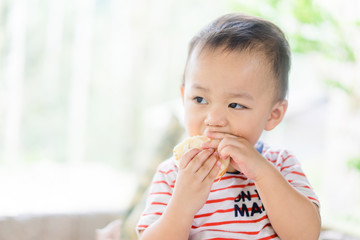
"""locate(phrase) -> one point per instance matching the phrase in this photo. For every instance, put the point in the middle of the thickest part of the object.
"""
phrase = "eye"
(236, 106)
(200, 100)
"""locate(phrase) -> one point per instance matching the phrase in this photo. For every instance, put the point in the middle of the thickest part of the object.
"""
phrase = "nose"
(216, 117)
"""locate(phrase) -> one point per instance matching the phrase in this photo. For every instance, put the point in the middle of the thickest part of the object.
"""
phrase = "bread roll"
(195, 142)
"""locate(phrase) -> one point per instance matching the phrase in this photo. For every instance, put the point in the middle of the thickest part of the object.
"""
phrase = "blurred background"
(85, 86)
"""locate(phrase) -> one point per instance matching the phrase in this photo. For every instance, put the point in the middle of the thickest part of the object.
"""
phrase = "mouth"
(210, 132)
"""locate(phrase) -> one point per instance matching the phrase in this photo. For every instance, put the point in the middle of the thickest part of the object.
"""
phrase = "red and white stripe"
(216, 219)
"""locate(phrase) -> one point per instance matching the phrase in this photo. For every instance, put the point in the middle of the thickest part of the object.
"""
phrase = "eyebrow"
(240, 94)
(197, 86)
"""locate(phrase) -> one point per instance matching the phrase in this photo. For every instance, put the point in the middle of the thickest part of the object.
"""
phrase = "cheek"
(248, 127)
(193, 121)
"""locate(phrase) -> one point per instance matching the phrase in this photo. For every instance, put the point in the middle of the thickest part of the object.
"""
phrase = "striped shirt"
(234, 209)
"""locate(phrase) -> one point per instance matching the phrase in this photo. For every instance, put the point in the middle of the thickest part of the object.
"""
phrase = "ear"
(276, 115)
(182, 89)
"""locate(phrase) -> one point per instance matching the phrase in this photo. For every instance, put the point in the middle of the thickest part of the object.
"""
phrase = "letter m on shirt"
(242, 211)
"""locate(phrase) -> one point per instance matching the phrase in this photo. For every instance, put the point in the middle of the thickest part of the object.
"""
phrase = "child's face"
(230, 92)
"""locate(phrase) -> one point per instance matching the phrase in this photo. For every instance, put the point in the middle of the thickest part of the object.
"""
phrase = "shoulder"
(278, 155)
(167, 169)
(168, 165)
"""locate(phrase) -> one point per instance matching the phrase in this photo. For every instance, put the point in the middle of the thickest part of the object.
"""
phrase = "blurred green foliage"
(339, 85)
(305, 12)
(354, 162)
(307, 15)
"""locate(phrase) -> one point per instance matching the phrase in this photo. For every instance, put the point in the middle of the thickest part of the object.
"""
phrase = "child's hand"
(198, 170)
(243, 156)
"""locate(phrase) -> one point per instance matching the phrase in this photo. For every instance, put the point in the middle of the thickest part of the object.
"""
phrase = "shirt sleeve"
(159, 194)
(290, 168)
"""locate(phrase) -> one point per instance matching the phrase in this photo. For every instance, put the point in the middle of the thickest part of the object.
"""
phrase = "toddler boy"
(235, 87)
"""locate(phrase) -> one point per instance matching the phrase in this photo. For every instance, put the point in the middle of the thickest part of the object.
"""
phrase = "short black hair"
(239, 32)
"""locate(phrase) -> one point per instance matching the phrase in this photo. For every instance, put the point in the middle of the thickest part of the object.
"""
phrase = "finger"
(205, 169)
(229, 142)
(187, 157)
(199, 159)
(226, 151)
(214, 143)
(213, 173)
